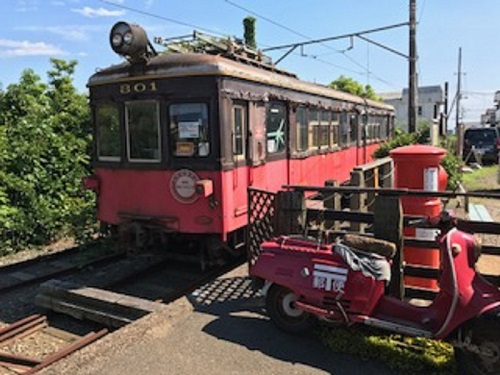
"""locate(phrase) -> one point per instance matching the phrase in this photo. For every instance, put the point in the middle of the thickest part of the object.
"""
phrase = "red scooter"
(345, 283)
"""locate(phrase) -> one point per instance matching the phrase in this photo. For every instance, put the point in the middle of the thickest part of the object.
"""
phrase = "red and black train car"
(179, 137)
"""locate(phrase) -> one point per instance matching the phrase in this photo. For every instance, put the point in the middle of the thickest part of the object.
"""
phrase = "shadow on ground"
(240, 319)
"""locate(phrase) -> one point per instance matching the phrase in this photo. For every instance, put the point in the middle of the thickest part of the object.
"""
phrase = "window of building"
(108, 133)
(143, 131)
(276, 127)
(189, 135)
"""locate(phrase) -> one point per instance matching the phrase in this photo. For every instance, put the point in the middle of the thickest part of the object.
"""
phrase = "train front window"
(143, 131)
(189, 129)
(108, 133)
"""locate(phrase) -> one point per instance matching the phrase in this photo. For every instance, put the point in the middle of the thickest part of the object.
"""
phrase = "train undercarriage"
(208, 250)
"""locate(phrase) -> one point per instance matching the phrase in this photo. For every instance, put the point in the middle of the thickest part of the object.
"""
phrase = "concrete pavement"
(219, 329)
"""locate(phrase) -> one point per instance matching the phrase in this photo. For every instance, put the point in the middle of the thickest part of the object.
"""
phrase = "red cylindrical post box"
(418, 167)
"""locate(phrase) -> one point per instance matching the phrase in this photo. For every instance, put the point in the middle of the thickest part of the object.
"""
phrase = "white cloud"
(24, 6)
(98, 12)
(72, 33)
(15, 48)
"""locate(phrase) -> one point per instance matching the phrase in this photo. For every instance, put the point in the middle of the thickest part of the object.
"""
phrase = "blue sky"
(33, 31)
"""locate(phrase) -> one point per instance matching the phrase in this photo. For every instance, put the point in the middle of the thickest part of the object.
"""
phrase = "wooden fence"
(289, 212)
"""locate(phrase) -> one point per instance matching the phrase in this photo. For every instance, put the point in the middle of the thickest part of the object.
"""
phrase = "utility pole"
(458, 124)
(413, 84)
(445, 117)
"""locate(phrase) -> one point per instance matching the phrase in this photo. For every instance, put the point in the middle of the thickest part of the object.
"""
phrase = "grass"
(405, 355)
(482, 179)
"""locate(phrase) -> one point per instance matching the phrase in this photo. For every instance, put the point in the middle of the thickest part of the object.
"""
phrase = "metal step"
(397, 327)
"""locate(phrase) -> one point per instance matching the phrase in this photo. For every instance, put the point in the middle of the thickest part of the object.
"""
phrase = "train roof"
(167, 65)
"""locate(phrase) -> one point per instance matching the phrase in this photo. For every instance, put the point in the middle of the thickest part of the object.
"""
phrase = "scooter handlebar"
(444, 221)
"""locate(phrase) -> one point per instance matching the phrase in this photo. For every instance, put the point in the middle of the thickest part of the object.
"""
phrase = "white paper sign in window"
(189, 129)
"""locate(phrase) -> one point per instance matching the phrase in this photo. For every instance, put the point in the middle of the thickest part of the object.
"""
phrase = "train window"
(108, 133)
(302, 132)
(345, 129)
(334, 134)
(367, 121)
(384, 127)
(313, 128)
(143, 131)
(189, 129)
(276, 127)
(239, 130)
(353, 128)
(324, 129)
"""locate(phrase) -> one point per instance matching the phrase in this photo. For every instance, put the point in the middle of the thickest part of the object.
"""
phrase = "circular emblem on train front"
(183, 186)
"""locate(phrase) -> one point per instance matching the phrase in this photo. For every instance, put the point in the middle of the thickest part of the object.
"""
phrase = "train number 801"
(127, 88)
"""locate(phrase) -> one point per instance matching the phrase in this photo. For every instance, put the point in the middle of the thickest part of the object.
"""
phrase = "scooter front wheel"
(280, 308)
(483, 355)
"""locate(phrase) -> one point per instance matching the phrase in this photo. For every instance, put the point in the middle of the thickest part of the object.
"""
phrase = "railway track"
(36, 329)
(126, 295)
(51, 266)
(115, 291)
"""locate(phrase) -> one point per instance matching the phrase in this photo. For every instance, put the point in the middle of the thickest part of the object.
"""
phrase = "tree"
(351, 86)
(44, 148)
(249, 26)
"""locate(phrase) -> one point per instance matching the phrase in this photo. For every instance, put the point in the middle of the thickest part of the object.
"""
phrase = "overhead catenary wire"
(149, 14)
(366, 71)
(218, 33)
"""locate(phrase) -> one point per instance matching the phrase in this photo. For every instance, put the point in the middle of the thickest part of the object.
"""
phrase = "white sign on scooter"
(329, 278)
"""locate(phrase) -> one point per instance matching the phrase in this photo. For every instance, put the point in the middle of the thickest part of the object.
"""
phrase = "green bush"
(44, 147)
(451, 163)
(406, 355)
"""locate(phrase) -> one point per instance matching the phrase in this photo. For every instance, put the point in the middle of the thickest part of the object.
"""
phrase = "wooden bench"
(478, 212)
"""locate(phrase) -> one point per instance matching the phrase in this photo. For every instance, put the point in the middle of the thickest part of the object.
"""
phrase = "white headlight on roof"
(128, 37)
(117, 40)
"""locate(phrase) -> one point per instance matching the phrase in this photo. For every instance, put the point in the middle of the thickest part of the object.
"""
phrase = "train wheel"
(481, 354)
(280, 308)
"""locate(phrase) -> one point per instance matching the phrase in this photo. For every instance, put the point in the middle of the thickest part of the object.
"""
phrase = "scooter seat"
(370, 245)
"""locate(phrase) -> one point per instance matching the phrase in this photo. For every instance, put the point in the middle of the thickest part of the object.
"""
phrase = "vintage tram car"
(180, 136)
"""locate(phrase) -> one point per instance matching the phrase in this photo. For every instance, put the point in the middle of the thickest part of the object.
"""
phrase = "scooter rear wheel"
(485, 337)
(283, 313)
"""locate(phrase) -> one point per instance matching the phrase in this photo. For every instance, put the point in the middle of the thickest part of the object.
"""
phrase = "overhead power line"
(149, 14)
(267, 19)
(337, 37)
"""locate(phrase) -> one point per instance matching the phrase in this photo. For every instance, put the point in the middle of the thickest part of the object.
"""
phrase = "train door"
(256, 144)
(277, 173)
(240, 155)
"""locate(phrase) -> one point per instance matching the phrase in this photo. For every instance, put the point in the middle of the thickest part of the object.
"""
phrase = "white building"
(430, 105)
(491, 117)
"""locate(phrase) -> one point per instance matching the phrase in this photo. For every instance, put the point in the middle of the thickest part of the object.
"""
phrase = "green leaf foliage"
(451, 163)
(249, 26)
(44, 147)
(351, 86)
(406, 355)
